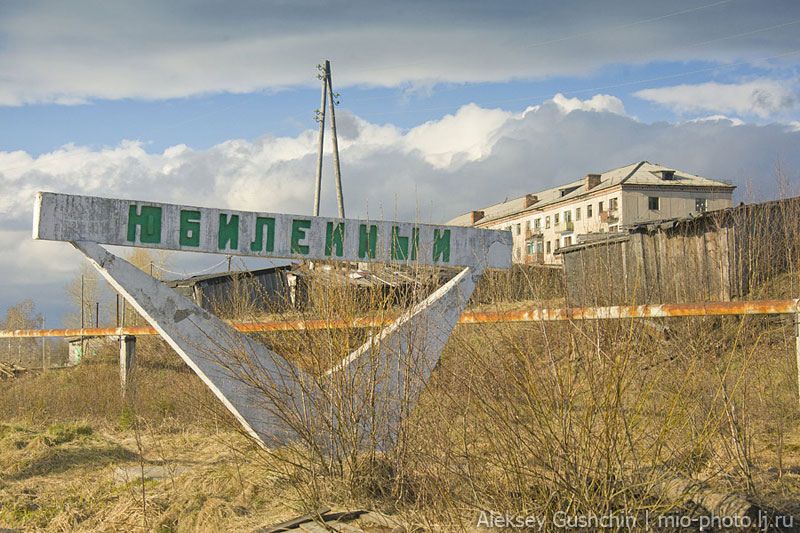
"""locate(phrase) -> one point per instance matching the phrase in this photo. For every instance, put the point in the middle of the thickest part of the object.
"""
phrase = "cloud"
(719, 118)
(74, 52)
(598, 103)
(430, 172)
(763, 97)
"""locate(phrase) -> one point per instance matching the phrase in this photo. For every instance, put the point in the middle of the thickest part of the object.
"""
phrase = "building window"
(537, 223)
(558, 243)
(612, 204)
(519, 229)
(567, 241)
(548, 247)
(589, 211)
(567, 216)
(600, 207)
(700, 205)
(577, 213)
(547, 222)
(555, 219)
(652, 203)
(527, 225)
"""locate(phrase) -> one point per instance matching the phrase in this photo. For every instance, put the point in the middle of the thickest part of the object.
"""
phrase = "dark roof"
(193, 280)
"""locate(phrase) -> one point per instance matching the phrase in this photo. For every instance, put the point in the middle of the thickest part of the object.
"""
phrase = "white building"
(545, 221)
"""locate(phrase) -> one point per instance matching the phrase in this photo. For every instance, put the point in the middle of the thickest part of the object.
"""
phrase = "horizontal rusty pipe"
(758, 307)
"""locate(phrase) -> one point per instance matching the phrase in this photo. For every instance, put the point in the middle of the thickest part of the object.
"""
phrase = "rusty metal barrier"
(756, 307)
(615, 312)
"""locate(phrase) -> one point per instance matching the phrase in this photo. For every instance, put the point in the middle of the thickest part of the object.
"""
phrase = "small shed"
(89, 346)
(266, 289)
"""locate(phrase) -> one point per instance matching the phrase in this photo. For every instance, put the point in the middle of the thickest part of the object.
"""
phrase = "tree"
(24, 351)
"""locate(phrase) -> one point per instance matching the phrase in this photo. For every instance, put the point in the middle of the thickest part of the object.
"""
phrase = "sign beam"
(65, 217)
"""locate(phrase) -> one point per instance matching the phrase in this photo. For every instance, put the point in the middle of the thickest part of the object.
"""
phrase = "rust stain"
(758, 307)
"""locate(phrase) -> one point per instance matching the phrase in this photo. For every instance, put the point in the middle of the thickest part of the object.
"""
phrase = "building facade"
(542, 223)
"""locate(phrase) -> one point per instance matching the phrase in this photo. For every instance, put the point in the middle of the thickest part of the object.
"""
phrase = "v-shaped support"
(384, 376)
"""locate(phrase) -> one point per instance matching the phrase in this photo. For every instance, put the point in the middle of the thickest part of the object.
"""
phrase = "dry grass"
(530, 419)
(583, 417)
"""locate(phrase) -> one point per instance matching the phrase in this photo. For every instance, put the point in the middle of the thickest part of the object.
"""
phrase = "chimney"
(475, 216)
(591, 181)
(530, 199)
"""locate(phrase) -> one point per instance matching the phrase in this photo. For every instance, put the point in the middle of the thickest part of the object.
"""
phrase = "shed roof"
(193, 280)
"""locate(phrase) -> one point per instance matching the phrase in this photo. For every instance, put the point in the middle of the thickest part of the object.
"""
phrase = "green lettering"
(400, 244)
(299, 228)
(228, 236)
(367, 241)
(190, 228)
(334, 236)
(148, 220)
(441, 245)
(258, 244)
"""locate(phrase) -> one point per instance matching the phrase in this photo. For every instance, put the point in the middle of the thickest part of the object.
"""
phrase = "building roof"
(193, 280)
(642, 173)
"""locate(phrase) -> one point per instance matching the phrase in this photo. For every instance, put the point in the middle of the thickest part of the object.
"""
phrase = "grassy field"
(529, 419)
(587, 418)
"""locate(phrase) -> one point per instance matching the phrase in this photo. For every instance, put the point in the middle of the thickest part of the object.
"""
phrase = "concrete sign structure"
(235, 366)
(66, 217)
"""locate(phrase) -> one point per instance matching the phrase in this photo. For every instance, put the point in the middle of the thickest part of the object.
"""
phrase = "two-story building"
(545, 221)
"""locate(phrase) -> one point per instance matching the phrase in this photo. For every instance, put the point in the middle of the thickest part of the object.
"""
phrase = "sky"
(444, 106)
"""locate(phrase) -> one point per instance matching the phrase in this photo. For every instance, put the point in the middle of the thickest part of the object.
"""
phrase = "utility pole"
(328, 94)
(336, 167)
(321, 119)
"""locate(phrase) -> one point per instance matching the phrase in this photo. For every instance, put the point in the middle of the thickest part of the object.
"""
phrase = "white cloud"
(430, 173)
(762, 97)
(719, 118)
(467, 134)
(597, 103)
(72, 52)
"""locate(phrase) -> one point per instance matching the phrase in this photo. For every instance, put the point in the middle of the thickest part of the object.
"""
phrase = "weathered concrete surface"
(64, 217)
(250, 380)
(390, 370)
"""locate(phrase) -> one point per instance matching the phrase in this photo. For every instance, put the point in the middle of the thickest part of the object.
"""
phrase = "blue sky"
(445, 106)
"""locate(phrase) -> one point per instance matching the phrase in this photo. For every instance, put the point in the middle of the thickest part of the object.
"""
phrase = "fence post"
(127, 359)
